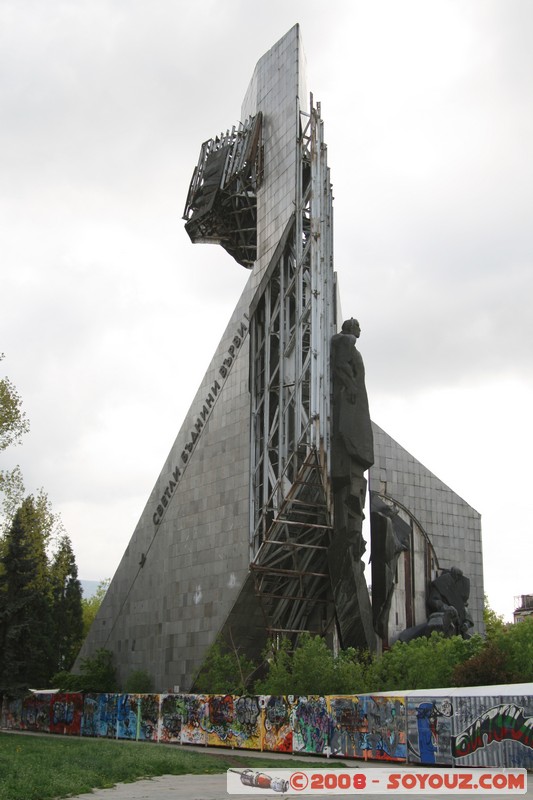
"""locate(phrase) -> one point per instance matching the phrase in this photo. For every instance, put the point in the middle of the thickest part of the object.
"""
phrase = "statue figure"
(447, 606)
(352, 431)
(352, 452)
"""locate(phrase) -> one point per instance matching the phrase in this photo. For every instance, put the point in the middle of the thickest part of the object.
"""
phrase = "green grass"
(34, 767)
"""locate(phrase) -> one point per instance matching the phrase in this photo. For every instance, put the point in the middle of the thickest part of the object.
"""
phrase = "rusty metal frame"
(221, 205)
(291, 326)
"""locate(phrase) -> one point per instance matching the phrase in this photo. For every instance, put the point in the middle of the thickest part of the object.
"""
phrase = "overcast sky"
(110, 316)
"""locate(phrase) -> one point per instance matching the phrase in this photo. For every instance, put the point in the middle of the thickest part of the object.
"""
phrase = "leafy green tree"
(139, 682)
(494, 623)
(486, 668)
(13, 421)
(225, 671)
(312, 668)
(352, 672)
(423, 663)
(66, 605)
(516, 644)
(13, 425)
(97, 674)
(91, 605)
(26, 624)
(278, 680)
(12, 493)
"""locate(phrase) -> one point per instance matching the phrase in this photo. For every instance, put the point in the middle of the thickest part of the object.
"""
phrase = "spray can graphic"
(259, 780)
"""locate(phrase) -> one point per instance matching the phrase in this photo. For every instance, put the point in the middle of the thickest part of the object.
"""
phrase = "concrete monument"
(253, 530)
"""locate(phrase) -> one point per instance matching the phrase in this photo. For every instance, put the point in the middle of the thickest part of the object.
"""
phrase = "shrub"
(139, 682)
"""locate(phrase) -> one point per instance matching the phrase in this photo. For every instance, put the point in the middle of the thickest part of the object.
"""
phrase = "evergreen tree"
(67, 611)
(26, 623)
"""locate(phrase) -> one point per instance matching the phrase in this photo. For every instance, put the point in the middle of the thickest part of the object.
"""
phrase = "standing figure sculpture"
(352, 430)
(352, 452)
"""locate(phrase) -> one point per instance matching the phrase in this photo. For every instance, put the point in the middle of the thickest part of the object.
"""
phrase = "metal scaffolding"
(292, 321)
(221, 205)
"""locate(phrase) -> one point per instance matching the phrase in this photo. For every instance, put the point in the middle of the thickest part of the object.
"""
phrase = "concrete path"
(213, 787)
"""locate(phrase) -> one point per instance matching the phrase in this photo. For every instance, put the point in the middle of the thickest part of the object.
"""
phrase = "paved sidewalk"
(213, 787)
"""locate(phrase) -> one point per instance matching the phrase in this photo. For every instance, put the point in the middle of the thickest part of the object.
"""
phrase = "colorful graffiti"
(233, 721)
(247, 723)
(347, 726)
(461, 731)
(386, 739)
(100, 715)
(12, 714)
(430, 723)
(310, 725)
(172, 711)
(193, 728)
(66, 712)
(505, 721)
(277, 723)
(148, 717)
(368, 727)
(127, 717)
(35, 713)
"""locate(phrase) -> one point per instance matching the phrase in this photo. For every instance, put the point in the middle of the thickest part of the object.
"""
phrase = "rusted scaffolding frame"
(291, 327)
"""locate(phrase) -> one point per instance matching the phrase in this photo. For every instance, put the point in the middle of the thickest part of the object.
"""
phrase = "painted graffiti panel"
(387, 738)
(494, 731)
(368, 727)
(171, 714)
(127, 717)
(234, 721)
(196, 710)
(100, 715)
(246, 729)
(12, 713)
(347, 726)
(277, 723)
(66, 711)
(35, 713)
(218, 721)
(429, 729)
(310, 725)
(148, 713)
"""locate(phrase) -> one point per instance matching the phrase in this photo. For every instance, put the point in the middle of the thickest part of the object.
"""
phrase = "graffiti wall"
(127, 717)
(12, 714)
(100, 715)
(347, 727)
(194, 722)
(66, 711)
(310, 725)
(455, 730)
(277, 723)
(35, 713)
(493, 731)
(172, 710)
(234, 721)
(148, 714)
(429, 730)
(368, 727)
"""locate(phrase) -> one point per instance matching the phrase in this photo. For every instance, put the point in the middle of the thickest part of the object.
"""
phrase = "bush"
(516, 644)
(486, 668)
(312, 668)
(97, 674)
(139, 682)
(424, 663)
(224, 671)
